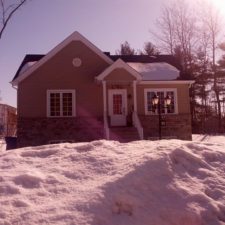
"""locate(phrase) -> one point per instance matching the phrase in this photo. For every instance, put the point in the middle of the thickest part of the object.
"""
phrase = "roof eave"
(167, 81)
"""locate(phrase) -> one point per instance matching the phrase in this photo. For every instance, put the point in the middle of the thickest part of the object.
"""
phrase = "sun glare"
(220, 5)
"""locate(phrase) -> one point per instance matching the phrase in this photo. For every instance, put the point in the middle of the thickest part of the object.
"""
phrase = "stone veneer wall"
(40, 131)
(176, 126)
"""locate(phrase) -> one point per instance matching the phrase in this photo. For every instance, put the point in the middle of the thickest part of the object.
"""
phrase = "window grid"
(61, 103)
(162, 95)
(150, 106)
(67, 109)
(117, 104)
(55, 104)
(171, 107)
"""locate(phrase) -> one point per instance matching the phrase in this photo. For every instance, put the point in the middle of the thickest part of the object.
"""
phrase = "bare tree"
(7, 10)
(212, 25)
(165, 23)
(177, 29)
(187, 30)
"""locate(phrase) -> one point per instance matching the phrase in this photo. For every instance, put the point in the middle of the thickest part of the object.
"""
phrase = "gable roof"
(145, 59)
(76, 36)
(117, 65)
(27, 59)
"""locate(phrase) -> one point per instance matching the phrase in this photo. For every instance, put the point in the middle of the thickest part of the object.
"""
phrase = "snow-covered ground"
(108, 183)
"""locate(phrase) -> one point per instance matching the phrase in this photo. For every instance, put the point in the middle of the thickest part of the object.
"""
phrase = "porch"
(119, 85)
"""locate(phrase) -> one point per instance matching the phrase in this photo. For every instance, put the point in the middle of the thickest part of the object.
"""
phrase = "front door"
(117, 103)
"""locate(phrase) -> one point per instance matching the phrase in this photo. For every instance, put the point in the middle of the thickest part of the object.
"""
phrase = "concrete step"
(123, 134)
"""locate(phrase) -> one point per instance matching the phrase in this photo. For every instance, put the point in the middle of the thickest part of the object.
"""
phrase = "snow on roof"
(26, 66)
(163, 182)
(156, 71)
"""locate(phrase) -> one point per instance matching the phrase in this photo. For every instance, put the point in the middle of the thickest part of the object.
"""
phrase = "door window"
(117, 104)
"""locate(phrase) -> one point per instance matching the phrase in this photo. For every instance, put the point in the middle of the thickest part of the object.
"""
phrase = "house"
(7, 120)
(78, 93)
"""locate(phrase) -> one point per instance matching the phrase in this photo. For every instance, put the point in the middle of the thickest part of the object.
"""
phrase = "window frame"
(146, 90)
(61, 92)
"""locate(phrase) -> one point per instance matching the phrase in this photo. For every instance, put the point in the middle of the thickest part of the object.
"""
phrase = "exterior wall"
(40, 131)
(34, 128)
(120, 75)
(178, 127)
(59, 73)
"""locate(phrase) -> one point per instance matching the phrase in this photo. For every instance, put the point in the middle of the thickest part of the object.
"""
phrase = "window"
(61, 103)
(117, 104)
(162, 93)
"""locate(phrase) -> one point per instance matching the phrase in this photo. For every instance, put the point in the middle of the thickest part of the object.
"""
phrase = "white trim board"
(167, 82)
(75, 36)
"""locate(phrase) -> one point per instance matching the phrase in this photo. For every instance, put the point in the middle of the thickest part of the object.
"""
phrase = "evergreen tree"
(125, 49)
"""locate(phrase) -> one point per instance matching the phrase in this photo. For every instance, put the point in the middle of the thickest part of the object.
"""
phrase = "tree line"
(193, 33)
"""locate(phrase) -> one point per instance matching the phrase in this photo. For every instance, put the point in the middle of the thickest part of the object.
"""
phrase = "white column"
(135, 95)
(106, 128)
(104, 95)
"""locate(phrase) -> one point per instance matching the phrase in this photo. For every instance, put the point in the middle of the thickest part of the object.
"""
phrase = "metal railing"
(138, 125)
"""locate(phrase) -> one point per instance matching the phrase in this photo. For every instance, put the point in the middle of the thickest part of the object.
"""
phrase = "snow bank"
(107, 183)
(2, 145)
(209, 138)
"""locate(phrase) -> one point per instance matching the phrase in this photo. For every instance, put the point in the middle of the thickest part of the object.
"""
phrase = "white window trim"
(61, 91)
(160, 90)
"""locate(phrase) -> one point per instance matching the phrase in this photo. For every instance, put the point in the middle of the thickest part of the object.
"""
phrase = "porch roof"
(119, 64)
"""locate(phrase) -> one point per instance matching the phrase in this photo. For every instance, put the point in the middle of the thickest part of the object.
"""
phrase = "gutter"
(13, 86)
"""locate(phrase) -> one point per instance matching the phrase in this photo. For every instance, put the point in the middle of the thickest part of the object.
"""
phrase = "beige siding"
(59, 73)
(119, 75)
(182, 96)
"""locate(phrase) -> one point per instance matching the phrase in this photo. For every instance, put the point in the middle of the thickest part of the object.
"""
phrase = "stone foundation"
(173, 126)
(41, 131)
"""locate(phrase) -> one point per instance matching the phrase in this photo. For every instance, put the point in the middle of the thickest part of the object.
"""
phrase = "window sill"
(61, 117)
(162, 114)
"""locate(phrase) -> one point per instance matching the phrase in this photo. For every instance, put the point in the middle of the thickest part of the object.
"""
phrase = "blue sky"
(41, 24)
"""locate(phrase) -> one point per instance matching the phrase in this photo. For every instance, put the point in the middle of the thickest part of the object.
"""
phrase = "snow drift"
(108, 183)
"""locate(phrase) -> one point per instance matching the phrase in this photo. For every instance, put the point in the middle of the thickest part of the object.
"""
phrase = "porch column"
(104, 96)
(135, 95)
(106, 126)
